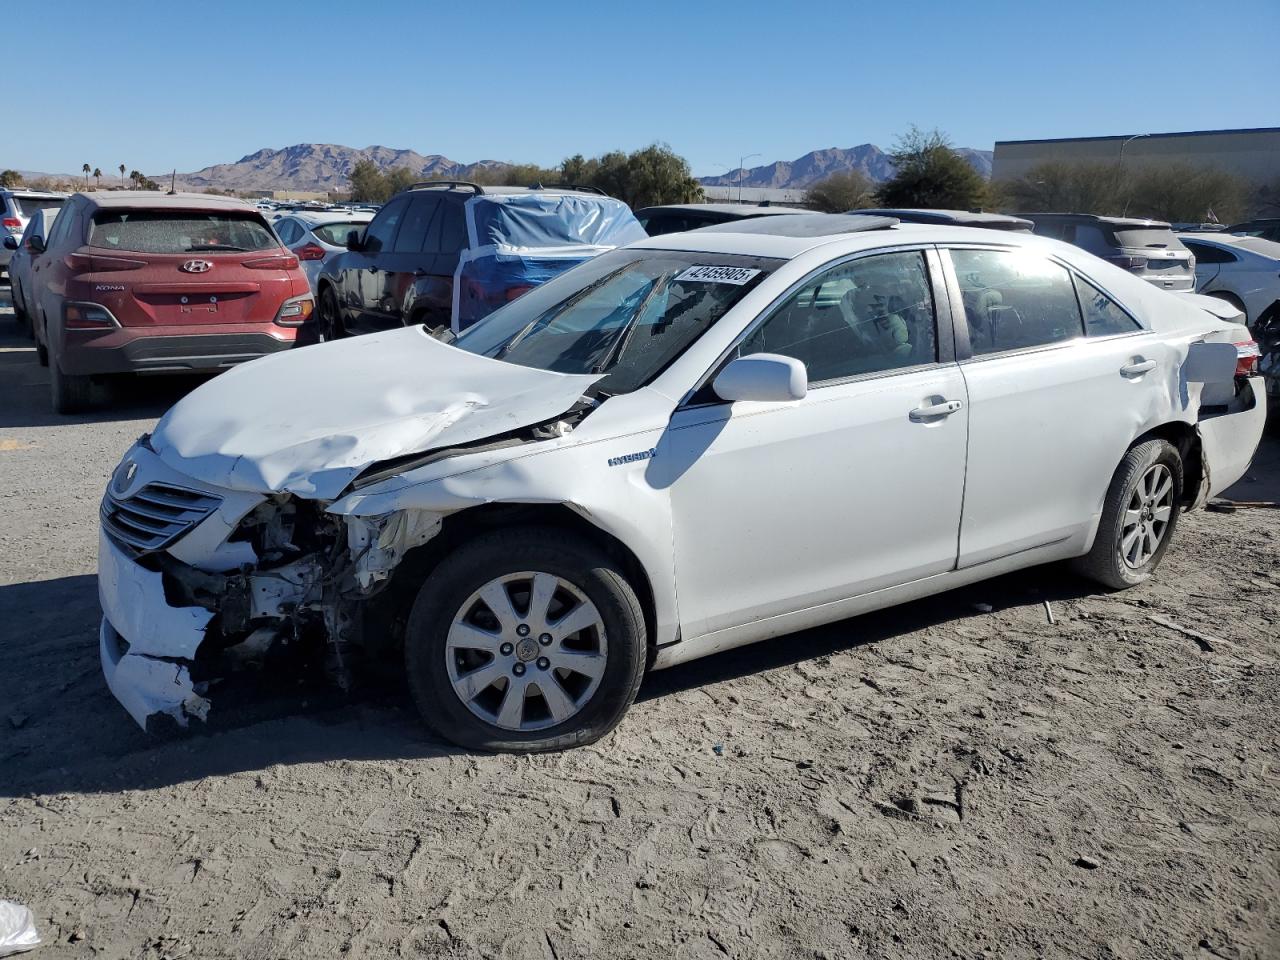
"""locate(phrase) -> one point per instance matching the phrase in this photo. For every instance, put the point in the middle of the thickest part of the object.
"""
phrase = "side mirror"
(353, 241)
(11, 243)
(765, 377)
(36, 244)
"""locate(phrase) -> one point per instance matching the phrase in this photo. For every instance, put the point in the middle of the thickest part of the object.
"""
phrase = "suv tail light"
(87, 263)
(1126, 262)
(295, 311)
(516, 292)
(12, 223)
(312, 251)
(274, 262)
(1247, 358)
(86, 316)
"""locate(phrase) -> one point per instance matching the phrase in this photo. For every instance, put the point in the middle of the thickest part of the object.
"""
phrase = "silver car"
(16, 208)
(21, 252)
(1146, 248)
(315, 237)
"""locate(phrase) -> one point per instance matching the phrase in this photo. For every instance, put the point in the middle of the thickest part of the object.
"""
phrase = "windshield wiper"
(198, 247)
(623, 338)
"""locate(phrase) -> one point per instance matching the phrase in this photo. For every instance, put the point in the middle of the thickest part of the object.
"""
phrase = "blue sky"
(158, 85)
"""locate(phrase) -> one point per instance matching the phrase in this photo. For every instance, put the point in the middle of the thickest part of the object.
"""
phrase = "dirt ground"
(955, 778)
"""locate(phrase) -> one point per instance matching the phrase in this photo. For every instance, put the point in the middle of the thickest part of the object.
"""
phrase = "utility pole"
(741, 163)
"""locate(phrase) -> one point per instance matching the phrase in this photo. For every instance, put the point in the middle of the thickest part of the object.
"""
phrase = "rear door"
(1052, 408)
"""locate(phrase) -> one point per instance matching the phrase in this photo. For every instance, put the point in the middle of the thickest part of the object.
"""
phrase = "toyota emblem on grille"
(197, 266)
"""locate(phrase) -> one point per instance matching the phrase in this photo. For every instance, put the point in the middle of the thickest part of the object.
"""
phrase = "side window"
(453, 227)
(868, 315)
(415, 234)
(62, 225)
(382, 231)
(1014, 300)
(1206, 253)
(1102, 315)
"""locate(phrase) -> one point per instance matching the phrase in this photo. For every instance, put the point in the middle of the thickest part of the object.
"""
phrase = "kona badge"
(197, 266)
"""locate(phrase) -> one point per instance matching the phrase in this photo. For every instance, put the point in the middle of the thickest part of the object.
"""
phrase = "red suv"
(153, 283)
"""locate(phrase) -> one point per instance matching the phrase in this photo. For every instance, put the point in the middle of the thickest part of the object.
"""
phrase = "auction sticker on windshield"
(735, 275)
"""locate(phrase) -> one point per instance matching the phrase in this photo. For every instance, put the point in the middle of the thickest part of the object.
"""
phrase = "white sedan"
(692, 443)
(316, 237)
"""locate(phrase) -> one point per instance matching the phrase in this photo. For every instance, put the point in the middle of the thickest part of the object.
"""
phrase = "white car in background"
(17, 206)
(20, 278)
(315, 237)
(1244, 271)
(691, 443)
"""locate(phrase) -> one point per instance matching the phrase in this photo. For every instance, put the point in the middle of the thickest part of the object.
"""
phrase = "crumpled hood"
(309, 420)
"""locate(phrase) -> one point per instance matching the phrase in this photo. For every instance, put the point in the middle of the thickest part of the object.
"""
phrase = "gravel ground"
(958, 777)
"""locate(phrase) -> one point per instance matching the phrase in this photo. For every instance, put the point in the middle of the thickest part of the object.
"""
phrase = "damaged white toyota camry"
(685, 445)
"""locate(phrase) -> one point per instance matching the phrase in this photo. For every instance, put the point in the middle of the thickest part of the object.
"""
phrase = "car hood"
(309, 420)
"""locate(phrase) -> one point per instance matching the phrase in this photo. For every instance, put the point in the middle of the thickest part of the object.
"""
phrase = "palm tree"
(135, 176)
(85, 168)
(122, 176)
(97, 178)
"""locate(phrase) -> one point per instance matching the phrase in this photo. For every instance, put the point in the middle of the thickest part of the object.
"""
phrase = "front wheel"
(525, 640)
(1139, 516)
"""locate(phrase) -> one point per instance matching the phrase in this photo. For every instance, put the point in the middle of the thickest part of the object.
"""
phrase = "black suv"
(447, 253)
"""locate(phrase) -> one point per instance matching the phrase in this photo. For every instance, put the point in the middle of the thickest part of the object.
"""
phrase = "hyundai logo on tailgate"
(197, 266)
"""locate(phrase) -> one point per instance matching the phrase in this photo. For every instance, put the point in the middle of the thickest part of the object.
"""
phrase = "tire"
(588, 585)
(328, 321)
(1122, 556)
(42, 350)
(68, 393)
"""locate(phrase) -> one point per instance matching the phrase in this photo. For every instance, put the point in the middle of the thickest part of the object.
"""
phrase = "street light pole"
(741, 163)
(1120, 167)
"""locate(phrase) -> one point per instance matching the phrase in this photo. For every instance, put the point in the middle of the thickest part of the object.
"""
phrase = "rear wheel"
(328, 321)
(525, 640)
(42, 349)
(69, 393)
(1138, 516)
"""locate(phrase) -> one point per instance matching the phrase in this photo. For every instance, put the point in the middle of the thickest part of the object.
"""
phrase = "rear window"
(336, 233)
(179, 231)
(26, 206)
(1147, 238)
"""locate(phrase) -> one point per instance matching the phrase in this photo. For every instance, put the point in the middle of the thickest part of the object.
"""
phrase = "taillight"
(312, 251)
(86, 316)
(1128, 262)
(1247, 358)
(87, 263)
(515, 292)
(295, 311)
(12, 223)
(275, 262)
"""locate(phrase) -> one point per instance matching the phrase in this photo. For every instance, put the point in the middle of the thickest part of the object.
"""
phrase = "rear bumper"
(168, 349)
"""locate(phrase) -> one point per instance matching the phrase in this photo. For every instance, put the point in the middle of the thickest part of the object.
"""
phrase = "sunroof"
(804, 225)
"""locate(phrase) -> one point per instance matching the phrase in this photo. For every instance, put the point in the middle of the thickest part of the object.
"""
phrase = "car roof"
(149, 199)
(960, 218)
(744, 237)
(1267, 248)
(805, 225)
(320, 217)
(1095, 218)
(742, 209)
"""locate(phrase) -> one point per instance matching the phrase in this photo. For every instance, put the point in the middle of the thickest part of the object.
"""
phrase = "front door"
(368, 285)
(779, 507)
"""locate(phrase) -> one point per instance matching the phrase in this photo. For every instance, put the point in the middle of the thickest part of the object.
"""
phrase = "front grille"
(155, 516)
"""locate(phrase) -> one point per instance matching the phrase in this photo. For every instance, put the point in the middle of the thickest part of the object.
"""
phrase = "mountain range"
(324, 166)
(867, 159)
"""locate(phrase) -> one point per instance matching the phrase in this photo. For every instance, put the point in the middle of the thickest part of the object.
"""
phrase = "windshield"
(27, 206)
(626, 314)
(163, 231)
(336, 233)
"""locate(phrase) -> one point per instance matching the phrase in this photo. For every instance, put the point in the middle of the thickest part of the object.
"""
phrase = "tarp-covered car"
(691, 443)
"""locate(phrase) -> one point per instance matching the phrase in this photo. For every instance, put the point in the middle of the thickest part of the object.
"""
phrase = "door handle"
(1137, 368)
(935, 410)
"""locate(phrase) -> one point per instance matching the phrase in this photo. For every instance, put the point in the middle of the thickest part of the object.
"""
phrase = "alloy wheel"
(1146, 517)
(526, 651)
